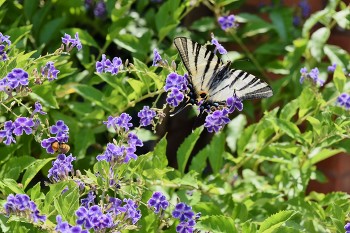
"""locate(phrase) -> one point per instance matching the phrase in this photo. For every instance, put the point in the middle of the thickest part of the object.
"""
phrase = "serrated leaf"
(33, 169)
(185, 149)
(275, 221)
(199, 161)
(216, 224)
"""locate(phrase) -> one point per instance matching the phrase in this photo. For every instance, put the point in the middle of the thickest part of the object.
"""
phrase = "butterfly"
(212, 82)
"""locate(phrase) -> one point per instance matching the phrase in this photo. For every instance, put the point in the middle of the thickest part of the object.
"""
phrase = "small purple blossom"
(71, 43)
(90, 199)
(146, 116)
(49, 71)
(158, 201)
(183, 212)
(344, 101)
(227, 22)
(100, 9)
(313, 74)
(60, 128)
(216, 120)
(101, 65)
(106, 65)
(174, 80)
(38, 108)
(116, 206)
(93, 218)
(347, 227)
(23, 124)
(16, 78)
(332, 67)
(304, 73)
(132, 212)
(305, 8)
(113, 153)
(47, 144)
(3, 41)
(61, 167)
(156, 57)
(134, 141)
(186, 226)
(175, 97)
(7, 133)
(123, 121)
(21, 203)
(218, 46)
(234, 102)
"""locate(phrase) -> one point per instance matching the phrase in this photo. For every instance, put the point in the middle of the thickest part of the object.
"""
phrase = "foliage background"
(252, 176)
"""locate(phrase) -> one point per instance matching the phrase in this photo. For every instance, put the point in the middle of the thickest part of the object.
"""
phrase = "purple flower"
(347, 227)
(110, 122)
(183, 212)
(146, 116)
(134, 141)
(313, 74)
(186, 227)
(132, 212)
(101, 65)
(21, 204)
(218, 46)
(216, 120)
(100, 9)
(234, 102)
(38, 108)
(49, 71)
(47, 144)
(344, 101)
(62, 227)
(5, 39)
(112, 153)
(123, 121)
(304, 74)
(156, 57)
(130, 154)
(60, 129)
(23, 124)
(174, 80)
(61, 167)
(83, 217)
(90, 199)
(174, 97)
(227, 22)
(93, 218)
(305, 8)
(71, 43)
(332, 67)
(113, 67)
(17, 77)
(116, 206)
(7, 133)
(158, 201)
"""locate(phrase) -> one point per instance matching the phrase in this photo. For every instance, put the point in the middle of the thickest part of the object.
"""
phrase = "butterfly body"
(212, 82)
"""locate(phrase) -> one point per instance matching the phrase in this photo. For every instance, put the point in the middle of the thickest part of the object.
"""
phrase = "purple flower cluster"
(106, 65)
(18, 127)
(93, 217)
(146, 116)
(177, 85)
(61, 131)
(121, 122)
(305, 8)
(227, 22)
(186, 216)
(218, 46)
(156, 57)
(121, 154)
(17, 78)
(38, 108)
(313, 74)
(347, 227)
(332, 67)
(64, 227)
(61, 167)
(3, 51)
(71, 42)
(158, 201)
(100, 9)
(216, 120)
(20, 204)
(49, 71)
(344, 101)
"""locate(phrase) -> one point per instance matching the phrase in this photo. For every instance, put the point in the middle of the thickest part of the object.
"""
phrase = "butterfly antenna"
(179, 110)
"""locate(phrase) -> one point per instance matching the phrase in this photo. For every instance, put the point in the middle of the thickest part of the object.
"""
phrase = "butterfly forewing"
(200, 62)
(208, 73)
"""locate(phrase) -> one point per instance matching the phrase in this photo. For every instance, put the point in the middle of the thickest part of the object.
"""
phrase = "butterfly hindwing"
(200, 62)
(208, 73)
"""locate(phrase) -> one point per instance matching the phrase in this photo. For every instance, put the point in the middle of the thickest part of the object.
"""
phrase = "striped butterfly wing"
(232, 82)
(200, 62)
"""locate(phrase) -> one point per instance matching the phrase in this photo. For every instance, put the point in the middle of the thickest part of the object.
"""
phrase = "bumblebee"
(60, 147)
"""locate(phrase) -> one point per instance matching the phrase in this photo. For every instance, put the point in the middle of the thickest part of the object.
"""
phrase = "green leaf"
(289, 110)
(216, 224)
(137, 86)
(255, 26)
(216, 151)
(316, 124)
(12, 185)
(33, 169)
(245, 138)
(234, 131)
(82, 141)
(92, 94)
(199, 161)
(273, 222)
(159, 154)
(185, 149)
(50, 30)
(342, 18)
(44, 93)
(204, 24)
(339, 79)
(288, 127)
(318, 155)
(317, 42)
